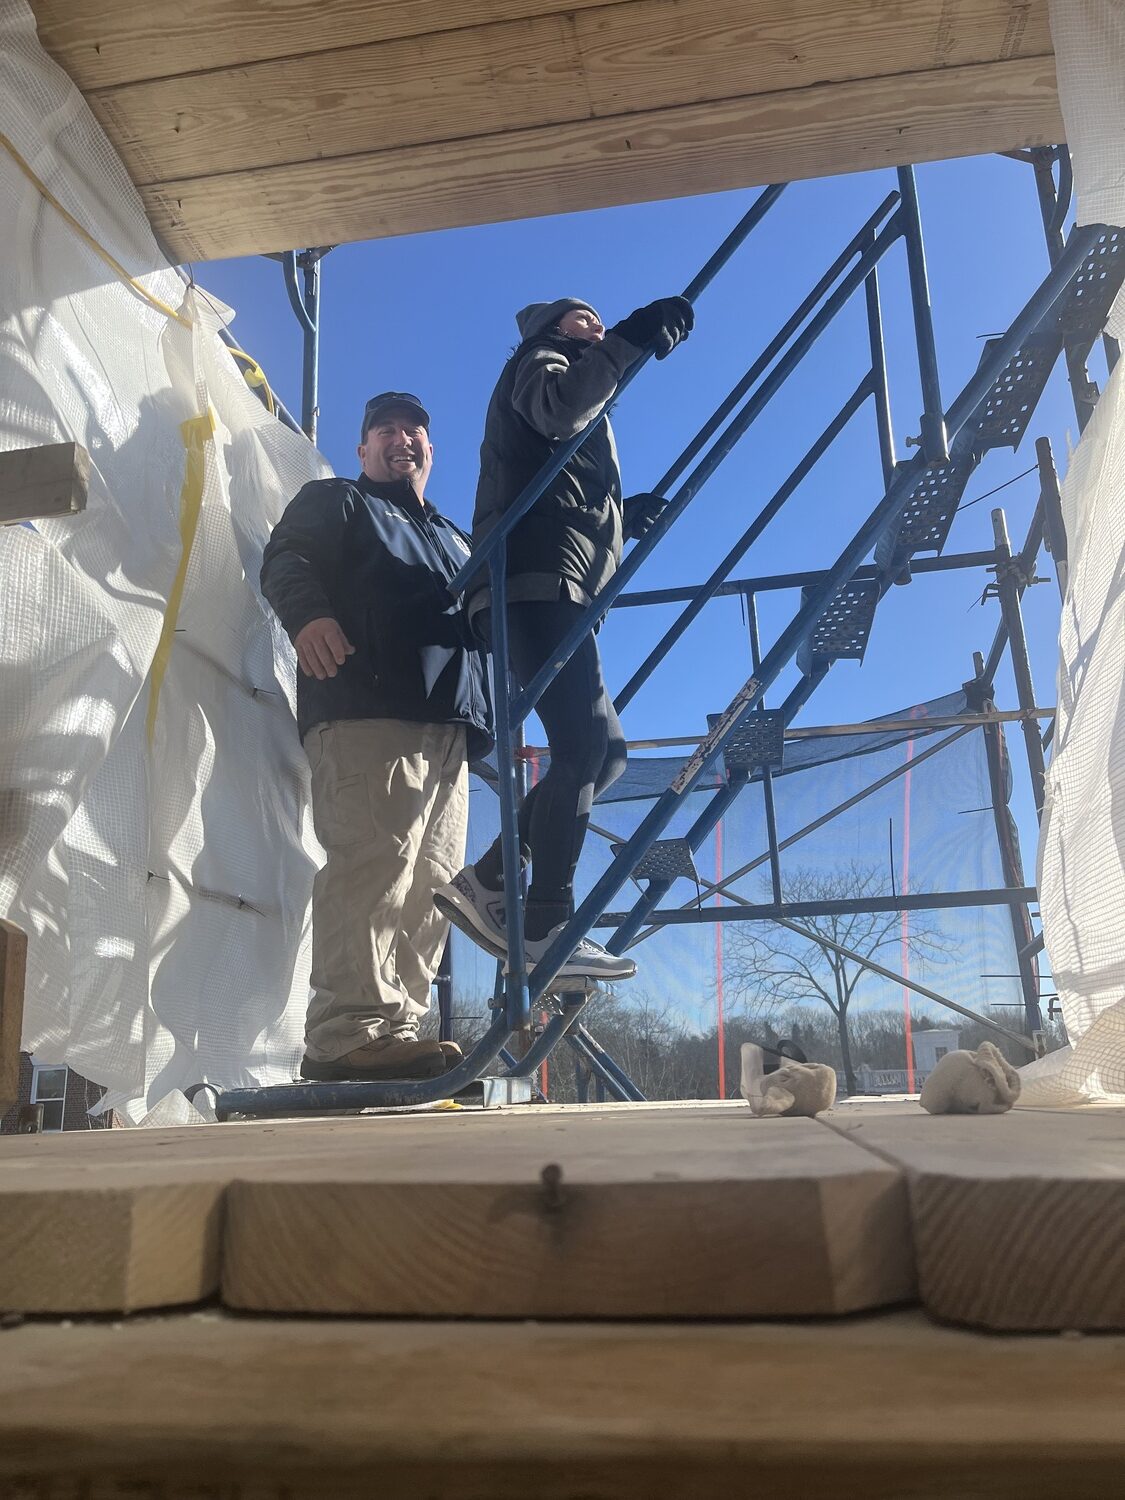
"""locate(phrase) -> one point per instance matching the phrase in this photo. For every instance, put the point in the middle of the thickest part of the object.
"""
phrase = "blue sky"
(434, 313)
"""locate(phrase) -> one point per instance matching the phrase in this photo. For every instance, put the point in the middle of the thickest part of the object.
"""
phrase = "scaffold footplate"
(1085, 305)
(667, 859)
(757, 743)
(929, 513)
(1009, 406)
(843, 629)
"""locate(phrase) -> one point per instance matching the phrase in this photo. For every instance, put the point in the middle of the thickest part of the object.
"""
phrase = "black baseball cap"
(384, 402)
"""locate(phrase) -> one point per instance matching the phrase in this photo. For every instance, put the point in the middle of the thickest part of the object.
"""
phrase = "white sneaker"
(476, 910)
(588, 961)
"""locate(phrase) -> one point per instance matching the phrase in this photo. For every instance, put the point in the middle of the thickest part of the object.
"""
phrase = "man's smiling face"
(397, 446)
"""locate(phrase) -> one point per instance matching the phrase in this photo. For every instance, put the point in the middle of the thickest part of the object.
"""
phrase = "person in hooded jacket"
(562, 375)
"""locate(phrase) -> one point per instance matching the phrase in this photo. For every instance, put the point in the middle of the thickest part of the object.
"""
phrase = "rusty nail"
(551, 1178)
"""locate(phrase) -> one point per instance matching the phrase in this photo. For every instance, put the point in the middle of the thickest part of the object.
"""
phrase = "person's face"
(581, 323)
(397, 446)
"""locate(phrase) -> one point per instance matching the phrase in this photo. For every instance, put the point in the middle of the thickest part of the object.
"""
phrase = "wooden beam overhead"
(274, 124)
(485, 81)
(587, 164)
(616, 60)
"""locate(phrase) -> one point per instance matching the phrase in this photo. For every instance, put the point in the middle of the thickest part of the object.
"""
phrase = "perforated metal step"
(1087, 301)
(668, 859)
(757, 743)
(1008, 409)
(843, 630)
(1005, 416)
(929, 513)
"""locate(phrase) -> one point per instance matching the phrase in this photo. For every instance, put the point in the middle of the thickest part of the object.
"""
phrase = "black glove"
(641, 512)
(660, 326)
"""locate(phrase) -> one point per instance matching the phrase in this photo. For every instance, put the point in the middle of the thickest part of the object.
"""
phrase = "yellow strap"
(196, 432)
(114, 265)
(255, 376)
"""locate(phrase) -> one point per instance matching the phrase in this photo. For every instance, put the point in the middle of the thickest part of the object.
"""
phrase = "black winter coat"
(569, 543)
(372, 558)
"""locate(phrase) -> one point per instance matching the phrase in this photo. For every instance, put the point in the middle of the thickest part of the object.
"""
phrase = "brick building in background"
(64, 1095)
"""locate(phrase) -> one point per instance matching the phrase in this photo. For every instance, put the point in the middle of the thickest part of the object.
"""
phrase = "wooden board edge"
(1025, 1255)
(45, 482)
(13, 979)
(302, 1407)
(92, 42)
(91, 1250)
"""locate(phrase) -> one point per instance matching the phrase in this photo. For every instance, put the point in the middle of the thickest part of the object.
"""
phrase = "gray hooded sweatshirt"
(568, 545)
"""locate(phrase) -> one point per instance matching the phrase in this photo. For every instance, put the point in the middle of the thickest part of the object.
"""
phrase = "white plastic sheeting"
(1082, 849)
(162, 869)
(1089, 40)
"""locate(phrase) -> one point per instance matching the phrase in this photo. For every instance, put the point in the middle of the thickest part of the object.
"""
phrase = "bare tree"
(772, 968)
(647, 1039)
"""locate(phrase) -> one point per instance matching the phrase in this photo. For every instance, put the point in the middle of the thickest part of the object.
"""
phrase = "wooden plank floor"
(211, 1405)
(660, 1212)
(1016, 1221)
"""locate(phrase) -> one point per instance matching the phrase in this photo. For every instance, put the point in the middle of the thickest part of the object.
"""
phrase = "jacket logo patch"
(460, 543)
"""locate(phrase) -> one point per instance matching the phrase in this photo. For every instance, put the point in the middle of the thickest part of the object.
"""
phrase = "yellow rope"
(114, 265)
(253, 374)
(196, 432)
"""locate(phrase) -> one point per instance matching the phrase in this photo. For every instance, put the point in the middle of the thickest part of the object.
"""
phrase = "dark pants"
(587, 749)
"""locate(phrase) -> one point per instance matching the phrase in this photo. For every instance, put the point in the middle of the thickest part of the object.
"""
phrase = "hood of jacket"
(541, 317)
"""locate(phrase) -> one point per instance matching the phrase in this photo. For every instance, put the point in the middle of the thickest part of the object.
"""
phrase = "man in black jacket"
(392, 701)
(565, 372)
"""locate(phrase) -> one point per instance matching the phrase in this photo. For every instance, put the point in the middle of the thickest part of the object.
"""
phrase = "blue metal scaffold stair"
(833, 622)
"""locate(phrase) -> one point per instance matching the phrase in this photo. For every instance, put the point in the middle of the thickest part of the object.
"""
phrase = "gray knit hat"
(538, 317)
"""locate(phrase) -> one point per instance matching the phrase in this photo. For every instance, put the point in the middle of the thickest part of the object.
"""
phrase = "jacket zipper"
(429, 531)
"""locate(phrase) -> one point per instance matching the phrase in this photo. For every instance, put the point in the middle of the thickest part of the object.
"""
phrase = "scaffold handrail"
(882, 517)
(485, 550)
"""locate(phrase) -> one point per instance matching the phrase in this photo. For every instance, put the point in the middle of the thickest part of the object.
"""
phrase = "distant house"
(930, 1045)
(53, 1097)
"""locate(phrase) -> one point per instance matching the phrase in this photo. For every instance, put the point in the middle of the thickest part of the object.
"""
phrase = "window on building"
(48, 1088)
(940, 1052)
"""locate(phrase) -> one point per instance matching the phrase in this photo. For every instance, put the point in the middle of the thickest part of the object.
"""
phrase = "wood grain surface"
(616, 60)
(1018, 1219)
(215, 1407)
(38, 483)
(593, 163)
(273, 124)
(13, 970)
(658, 1213)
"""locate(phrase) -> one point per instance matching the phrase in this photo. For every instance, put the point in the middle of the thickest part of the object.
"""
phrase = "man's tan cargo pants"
(390, 806)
